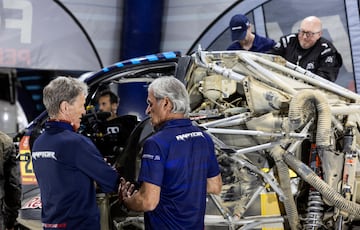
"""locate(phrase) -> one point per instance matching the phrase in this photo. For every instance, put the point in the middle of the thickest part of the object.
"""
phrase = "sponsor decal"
(26, 167)
(33, 203)
(113, 130)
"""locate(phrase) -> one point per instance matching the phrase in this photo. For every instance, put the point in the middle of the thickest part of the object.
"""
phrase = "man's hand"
(125, 190)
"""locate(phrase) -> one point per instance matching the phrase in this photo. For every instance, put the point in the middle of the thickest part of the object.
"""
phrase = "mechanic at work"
(310, 50)
(66, 163)
(244, 39)
(178, 164)
(10, 189)
(108, 102)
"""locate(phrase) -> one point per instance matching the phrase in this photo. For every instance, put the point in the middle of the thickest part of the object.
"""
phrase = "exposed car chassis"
(287, 142)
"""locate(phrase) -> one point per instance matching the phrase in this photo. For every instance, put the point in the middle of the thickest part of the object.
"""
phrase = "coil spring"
(314, 211)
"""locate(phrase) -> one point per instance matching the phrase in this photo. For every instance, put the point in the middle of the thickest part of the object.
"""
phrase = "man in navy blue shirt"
(67, 164)
(178, 164)
(244, 39)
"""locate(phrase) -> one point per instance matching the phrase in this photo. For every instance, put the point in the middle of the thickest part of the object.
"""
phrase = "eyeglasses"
(307, 33)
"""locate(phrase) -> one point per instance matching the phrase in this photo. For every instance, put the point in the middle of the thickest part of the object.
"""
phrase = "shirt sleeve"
(283, 45)
(277, 49)
(91, 162)
(329, 65)
(152, 163)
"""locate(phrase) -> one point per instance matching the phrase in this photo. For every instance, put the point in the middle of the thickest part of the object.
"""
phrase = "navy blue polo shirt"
(179, 158)
(66, 165)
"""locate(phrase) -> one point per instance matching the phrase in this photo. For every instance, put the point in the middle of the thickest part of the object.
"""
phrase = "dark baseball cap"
(238, 26)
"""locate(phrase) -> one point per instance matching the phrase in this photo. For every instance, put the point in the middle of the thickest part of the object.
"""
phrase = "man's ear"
(114, 106)
(167, 104)
(64, 106)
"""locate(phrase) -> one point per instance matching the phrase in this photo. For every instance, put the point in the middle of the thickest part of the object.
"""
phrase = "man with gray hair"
(178, 164)
(66, 163)
(10, 189)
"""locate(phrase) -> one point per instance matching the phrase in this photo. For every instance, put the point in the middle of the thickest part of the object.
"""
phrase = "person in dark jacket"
(244, 39)
(67, 165)
(10, 193)
(310, 50)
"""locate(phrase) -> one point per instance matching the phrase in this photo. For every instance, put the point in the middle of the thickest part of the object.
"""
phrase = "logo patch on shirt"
(184, 136)
(310, 66)
(329, 59)
(44, 154)
(151, 157)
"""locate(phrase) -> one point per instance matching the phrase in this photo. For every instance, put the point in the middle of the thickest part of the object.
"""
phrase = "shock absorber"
(350, 165)
(315, 204)
(349, 171)
(314, 211)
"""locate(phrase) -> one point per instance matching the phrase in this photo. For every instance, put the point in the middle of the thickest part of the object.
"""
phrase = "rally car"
(287, 140)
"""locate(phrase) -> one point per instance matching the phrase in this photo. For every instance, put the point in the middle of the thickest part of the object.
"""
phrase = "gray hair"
(62, 89)
(173, 89)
